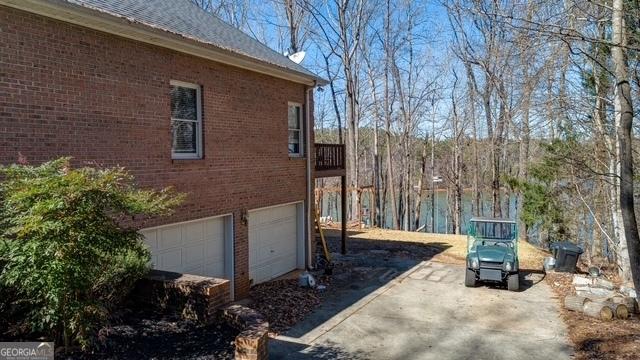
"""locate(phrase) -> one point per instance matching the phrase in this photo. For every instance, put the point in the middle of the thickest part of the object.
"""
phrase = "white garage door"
(194, 247)
(273, 234)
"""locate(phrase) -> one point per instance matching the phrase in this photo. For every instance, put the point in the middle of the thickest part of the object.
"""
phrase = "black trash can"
(566, 254)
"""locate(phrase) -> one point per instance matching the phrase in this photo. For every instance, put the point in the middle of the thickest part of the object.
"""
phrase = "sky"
(268, 26)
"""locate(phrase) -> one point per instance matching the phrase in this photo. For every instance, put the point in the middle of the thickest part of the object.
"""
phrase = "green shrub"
(68, 244)
(544, 205)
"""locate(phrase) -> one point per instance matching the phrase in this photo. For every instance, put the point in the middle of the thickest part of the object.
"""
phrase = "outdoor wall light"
(244, 216)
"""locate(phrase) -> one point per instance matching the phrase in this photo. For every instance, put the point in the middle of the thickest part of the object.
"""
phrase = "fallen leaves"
(593, 338)
(283, 302)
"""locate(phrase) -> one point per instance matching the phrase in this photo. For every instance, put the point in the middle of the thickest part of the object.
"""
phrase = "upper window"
(186, 121)
(295, 130)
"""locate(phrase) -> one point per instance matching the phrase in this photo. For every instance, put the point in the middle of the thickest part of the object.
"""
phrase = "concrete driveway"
(425, 312)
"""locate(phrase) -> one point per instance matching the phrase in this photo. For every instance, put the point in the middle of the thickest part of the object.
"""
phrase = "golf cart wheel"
(513, 282)
(470, 278)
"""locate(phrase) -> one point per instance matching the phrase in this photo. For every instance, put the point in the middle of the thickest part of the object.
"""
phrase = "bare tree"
(629, 245)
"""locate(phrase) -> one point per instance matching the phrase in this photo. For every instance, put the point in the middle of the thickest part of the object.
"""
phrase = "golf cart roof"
(494, 220)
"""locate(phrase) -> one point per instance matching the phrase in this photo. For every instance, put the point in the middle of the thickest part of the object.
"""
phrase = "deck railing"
(330, 157)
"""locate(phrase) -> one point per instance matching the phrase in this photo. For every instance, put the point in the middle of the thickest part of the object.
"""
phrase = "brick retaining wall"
(253, 341)
(194, 297)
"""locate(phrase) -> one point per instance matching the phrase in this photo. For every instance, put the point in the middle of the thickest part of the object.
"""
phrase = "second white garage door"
(273, 242)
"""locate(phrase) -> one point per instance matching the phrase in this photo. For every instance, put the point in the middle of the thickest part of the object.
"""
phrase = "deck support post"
(343, 198)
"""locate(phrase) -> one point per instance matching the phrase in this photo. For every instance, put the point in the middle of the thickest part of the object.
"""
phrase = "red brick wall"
(71, 91)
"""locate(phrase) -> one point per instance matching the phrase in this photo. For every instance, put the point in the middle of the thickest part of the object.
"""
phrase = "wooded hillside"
(524, 100)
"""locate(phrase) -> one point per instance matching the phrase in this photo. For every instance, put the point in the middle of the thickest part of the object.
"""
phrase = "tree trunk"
(473, 90)
(334, 99)
(457, 163)
(604, 146)
(523, 166)
(421, 174)
(629, 246)
(387, 122)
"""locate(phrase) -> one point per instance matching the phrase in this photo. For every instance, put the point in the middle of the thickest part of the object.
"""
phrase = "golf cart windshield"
(492, 230)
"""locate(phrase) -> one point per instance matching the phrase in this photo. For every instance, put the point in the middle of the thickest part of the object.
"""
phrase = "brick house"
(180, 99)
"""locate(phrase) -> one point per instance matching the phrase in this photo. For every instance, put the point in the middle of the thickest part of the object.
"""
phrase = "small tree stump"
(621, 311)
(575, 303)
(598, 310)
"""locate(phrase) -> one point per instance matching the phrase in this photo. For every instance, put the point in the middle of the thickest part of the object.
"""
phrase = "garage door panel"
(193, 254)
(214, 228)
(154, 261)
(170, 259)
(150, 238)
(268, 217)
(214, 268)
(170, 237)
(214, 251)
(273, 242)
(194, 270)
(193, 232)
(263, 254)
(262, 273)
(283, 265)
(196, 247)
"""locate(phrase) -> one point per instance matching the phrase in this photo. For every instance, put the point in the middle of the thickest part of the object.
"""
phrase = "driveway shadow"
(528, 279)
(368, 266)
(296, 351)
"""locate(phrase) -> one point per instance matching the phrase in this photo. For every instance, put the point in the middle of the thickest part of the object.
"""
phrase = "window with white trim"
(186, 120)
(295, 130)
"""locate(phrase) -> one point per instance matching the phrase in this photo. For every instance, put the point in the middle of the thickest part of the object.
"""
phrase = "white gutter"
(128, 28)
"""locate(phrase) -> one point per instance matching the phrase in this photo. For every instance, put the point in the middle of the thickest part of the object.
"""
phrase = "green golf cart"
(492, 252)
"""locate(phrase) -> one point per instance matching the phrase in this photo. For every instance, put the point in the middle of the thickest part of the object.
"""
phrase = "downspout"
(309, 223)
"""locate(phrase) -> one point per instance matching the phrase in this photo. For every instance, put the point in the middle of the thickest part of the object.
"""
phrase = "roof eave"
(120, 26)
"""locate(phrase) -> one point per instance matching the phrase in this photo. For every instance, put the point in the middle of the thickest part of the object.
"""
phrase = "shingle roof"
(184, 18)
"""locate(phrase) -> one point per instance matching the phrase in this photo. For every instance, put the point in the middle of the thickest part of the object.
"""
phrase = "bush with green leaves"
(69, 248)
(543, 204)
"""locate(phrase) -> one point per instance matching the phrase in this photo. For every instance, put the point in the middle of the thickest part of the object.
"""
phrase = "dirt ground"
(453, 247)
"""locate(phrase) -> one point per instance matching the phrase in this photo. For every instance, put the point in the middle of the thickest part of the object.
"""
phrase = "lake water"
(583, 221)
(442, 218)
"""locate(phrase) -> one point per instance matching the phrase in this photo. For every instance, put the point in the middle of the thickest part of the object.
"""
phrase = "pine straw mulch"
(594, 338)
(283, 302)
